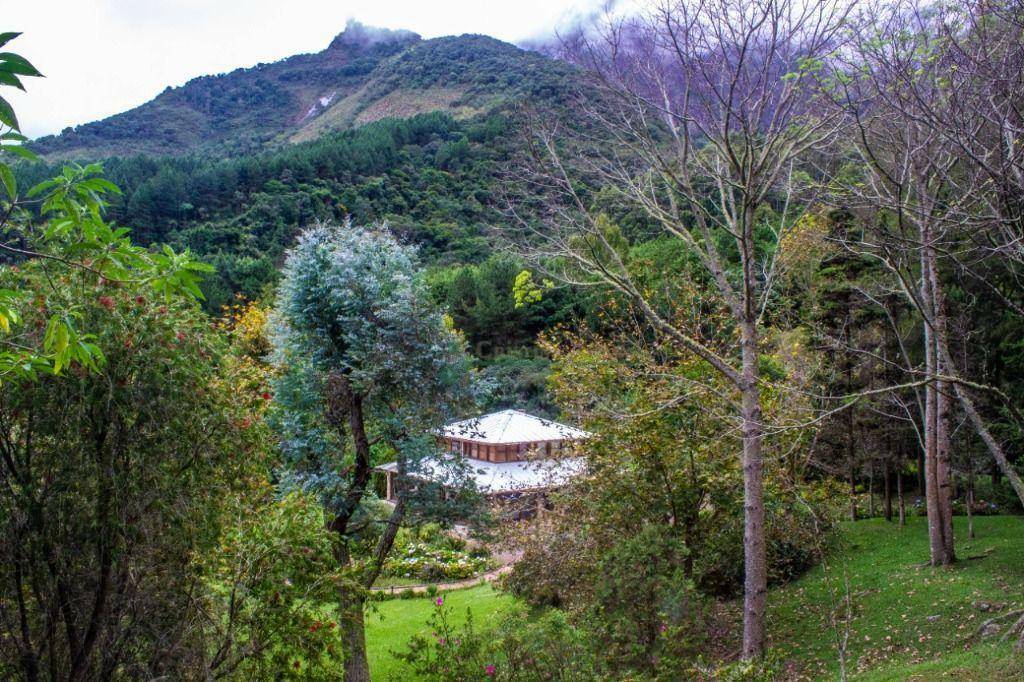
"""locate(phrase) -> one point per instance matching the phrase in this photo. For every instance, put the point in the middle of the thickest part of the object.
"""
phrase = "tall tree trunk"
(871, 489)
(921, 467)
(943, 401)
(887, 488)
(931, 496)
(899, 496)
(351, 607)
(942, 471)
(936, 431)
(931, 493)
(755, 581)
(851, 452)
(346, 406)
(970, 503)
(853, 492)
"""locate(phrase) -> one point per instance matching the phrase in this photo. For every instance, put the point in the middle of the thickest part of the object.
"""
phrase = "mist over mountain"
(365, 74)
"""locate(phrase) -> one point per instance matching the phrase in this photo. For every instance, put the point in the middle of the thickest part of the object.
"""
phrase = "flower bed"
(431, 563)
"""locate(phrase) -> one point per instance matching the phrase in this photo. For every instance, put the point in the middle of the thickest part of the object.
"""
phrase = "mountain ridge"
(363, 75)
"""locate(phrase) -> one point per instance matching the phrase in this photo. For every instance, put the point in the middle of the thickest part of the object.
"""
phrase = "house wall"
(502, 452)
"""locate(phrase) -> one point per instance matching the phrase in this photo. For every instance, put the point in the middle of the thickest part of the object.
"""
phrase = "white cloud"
(101, 57)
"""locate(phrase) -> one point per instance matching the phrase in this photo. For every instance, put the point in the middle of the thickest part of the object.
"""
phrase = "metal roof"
(511, 426)
(501, 477)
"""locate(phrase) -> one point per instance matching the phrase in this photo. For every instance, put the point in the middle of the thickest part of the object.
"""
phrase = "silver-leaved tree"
(368, 369)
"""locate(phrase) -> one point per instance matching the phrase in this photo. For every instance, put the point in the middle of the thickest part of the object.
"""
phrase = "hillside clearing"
(894, 633)
(908, 620)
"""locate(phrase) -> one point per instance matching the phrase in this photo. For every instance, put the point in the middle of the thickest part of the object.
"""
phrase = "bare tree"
(929, 94)
(913, 198)
(983, 120)
(706, 109)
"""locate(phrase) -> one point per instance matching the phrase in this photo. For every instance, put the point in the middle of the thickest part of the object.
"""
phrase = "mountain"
(365, 74)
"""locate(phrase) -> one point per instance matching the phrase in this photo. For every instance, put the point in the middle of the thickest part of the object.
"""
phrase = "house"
(510, 455)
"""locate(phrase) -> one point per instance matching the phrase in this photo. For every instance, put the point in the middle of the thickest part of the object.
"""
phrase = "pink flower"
(663, 628)
(489, 670)
(440, 600)
(440, 640)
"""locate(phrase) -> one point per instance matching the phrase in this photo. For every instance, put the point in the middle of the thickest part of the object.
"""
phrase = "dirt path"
(507, 561)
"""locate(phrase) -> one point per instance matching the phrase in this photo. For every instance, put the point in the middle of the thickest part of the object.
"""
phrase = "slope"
(364, 75)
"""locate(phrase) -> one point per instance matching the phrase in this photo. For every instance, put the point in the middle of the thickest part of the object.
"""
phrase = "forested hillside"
(364, 75)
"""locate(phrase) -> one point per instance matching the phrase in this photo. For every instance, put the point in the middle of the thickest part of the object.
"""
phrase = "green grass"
(892, 594)
(894, 632)
(392, 623)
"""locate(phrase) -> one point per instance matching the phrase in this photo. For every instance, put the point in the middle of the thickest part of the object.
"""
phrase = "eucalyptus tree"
(368, 369)
(705, 110)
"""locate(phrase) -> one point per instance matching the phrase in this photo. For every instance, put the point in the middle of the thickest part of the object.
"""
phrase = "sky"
(101, 57)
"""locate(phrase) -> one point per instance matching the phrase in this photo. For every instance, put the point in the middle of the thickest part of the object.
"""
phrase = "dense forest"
(766, 254)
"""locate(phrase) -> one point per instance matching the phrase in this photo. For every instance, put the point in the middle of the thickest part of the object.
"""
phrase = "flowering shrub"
(426, 562)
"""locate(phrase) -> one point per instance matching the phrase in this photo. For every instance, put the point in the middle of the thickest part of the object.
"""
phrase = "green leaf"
(8, 37)
(7, 116)
(14, 63)
(7, 178)
(62, 338)
(42, 187)
(10, 79)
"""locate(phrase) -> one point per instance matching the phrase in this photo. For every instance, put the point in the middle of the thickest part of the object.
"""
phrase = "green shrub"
(521, 647)
(767, 670)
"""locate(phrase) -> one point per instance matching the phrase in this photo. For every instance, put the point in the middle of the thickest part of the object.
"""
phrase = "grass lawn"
(909, 621)
(390, 625)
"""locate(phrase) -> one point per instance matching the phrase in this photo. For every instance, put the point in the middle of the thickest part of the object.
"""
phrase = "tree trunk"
(850, 442)
(755, 582)
(931, 496)
(942, 472)
(887, 489)
(970, 503)
(899, 496)
(920, 468)
(853, 491)
(353, 636)
(351, 605)
(871, 490)
(345, 405)
(936, 431)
